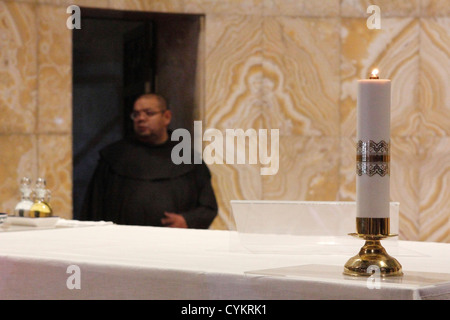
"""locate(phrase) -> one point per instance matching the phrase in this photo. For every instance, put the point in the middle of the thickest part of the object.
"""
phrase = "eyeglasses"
(148, 113)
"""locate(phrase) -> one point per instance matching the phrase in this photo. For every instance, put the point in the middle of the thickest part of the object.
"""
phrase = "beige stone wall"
(290, 65)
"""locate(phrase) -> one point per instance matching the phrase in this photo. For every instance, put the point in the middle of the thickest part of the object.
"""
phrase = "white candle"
(373, 144)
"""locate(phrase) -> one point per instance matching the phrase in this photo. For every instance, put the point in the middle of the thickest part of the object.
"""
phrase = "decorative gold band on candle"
(372, 226)
(372, 158)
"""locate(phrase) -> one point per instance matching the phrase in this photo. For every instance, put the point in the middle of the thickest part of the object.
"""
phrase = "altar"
(108, 261)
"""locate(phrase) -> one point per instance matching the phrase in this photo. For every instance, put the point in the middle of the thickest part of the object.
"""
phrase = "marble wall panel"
(233, 72)
(308, 170)
(404, 184)
(148, 5)
(55, 165)
(394, 50)
(18, 63)
(347, 169)
(435, 76)
(242, 7)
(81, 3)
(234, 175)
(233, 96)
(434, 8)
(434, 192)
(301, 75)
(54, 71)
(18, 160)
(305, 8)
(233, 182)
(66, 3)
(388, 8)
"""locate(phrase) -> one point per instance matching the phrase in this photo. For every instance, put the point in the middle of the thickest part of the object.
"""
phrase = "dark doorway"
(118, 55)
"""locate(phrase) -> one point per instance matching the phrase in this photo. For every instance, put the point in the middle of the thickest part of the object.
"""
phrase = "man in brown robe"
(137, 183)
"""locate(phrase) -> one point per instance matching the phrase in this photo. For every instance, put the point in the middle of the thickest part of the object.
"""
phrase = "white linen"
(131, 262)
(306, 218)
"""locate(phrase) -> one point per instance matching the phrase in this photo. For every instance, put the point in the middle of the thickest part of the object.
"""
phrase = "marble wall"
(290, 65)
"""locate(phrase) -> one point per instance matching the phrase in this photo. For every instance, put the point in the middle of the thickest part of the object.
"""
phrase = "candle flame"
(374, 74)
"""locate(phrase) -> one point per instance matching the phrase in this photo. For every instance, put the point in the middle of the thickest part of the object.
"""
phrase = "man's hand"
(173, 220)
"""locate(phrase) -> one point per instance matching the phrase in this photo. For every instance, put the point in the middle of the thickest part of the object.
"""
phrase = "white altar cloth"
(131, 262)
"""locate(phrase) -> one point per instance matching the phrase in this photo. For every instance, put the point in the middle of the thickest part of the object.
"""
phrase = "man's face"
(150, 122)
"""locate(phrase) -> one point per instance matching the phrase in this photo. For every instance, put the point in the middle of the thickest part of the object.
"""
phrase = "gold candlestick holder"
(372, 254)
